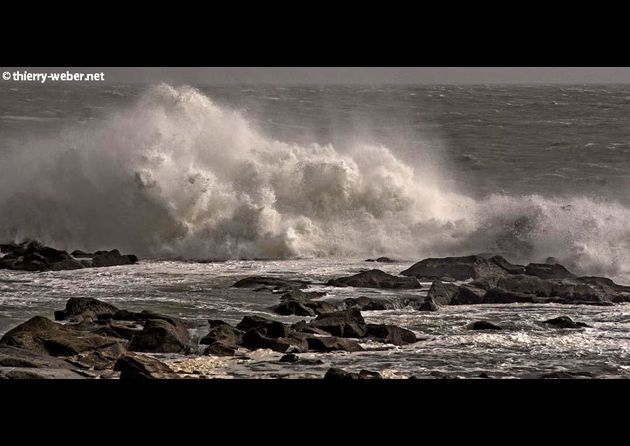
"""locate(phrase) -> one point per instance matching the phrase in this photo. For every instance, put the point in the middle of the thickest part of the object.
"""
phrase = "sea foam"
(176, 175)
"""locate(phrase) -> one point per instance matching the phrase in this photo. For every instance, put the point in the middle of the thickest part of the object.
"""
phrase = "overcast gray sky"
(362, 75)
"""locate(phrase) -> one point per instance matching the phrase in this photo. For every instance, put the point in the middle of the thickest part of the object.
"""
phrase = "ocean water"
(309, 181)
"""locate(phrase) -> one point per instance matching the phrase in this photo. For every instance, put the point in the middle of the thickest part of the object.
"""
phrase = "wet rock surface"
(101, 340)
(34, 256)
(534, 283)
(376, 278)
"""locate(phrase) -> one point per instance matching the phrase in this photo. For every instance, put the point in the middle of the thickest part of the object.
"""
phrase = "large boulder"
(449, 294)
(113, 258)
(375, 278)
(391, 334)
(605, 284)
(86, 308)
(274, 329)
(18, 357)
(43, 336)
(162, 336)
(223, 333)
(293, 307)
(510, 268)
(528, 284)
(344, 324)
(442, 293)
(458, 268)
(259, 338)
(303, 308)
(133, 366)
(548, 271)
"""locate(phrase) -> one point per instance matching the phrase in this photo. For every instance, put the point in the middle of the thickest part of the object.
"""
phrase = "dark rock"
(381, 260)
(12, 248)
(216, 323)
(391, 334)
(459, 268)
(499, 296)
(442, 293)
(290, 358)
(605, 284)
(528, 284)
(507, 266)
(86, 307)
(146, 315)
(484, 375)
(331, 344)
(301, 296)
(124, 329)
(43, 336)
(273, 329)
(345, 324)
(292, 307)
(564, 322)
(375, 278)
(33, 256)
(304, 327)
(53, 255)
(223, 333)
(483, 325)
(428, 305)
(68, 264)
(335, 373)
(363, 303)
(547, 271)
(162, 336)
(19, 357)
(133, 366)
(448, 294)
(112, 258)
(79, 253)
(257, 281)
(220, 349)
(302, 306)
(469, 295)
(257, 338)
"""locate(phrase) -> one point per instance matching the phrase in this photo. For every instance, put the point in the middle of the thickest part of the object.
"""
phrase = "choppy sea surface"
(525, 171)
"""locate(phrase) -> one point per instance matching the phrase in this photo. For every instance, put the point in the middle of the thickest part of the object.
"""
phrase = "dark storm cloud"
(363, 75)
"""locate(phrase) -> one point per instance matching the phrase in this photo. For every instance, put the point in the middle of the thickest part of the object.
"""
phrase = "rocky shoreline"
(33, 256)
(90, 338)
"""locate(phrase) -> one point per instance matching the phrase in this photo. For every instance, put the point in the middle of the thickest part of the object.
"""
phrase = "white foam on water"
(176, 175)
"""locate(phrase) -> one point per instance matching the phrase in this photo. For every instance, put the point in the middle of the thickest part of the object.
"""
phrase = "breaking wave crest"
(176, 175)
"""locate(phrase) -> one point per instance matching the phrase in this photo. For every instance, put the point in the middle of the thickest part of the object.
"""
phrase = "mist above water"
(177, 175)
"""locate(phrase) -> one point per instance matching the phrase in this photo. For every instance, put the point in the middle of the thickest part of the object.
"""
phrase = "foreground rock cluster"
(97, 339)
(33, 256)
